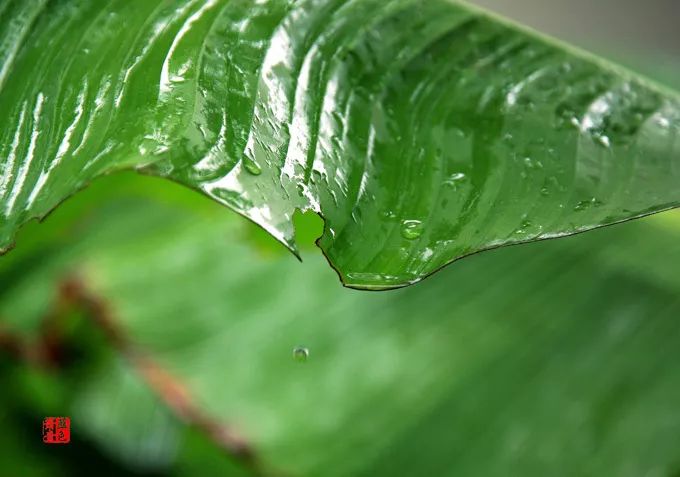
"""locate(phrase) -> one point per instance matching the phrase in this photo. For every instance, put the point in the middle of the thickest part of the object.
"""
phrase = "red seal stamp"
(56, 430)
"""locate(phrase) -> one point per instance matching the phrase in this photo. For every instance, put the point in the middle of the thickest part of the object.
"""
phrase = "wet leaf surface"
(421, 131)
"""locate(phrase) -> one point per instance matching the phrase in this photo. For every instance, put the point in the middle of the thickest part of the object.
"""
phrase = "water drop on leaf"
(411, 229)
(455, 179)
(300, 354)
(603, 140)
(251, 166)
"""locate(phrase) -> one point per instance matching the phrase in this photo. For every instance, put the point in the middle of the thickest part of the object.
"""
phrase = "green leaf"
(555, 359)
(420, 131)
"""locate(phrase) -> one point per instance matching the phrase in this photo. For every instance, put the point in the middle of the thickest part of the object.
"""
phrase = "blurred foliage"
(553, 358)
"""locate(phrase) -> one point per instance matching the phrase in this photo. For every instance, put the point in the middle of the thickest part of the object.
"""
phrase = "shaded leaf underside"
(421, 131)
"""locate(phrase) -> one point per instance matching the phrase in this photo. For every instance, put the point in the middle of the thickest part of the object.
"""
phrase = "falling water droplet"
(251, 166)
(300, 354)
(411, 229)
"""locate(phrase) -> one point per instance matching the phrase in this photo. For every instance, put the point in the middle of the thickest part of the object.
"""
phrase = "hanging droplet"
(300, 354)
(411, 229)
(251, 166)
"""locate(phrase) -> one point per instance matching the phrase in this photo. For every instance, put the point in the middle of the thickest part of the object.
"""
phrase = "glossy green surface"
(421, 131)
(554, 359)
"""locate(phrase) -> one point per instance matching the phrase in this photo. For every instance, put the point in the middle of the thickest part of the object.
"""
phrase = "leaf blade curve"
(421, 132)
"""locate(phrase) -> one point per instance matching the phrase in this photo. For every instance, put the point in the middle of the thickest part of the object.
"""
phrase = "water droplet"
(454, 179)
(251, 166)
(523, 227)
(583, 205)
(368, 278)
(663, 122)
(603, 140)
(388, 214)
(411, 229)
(300, 354)
(532, 164)
(152, 145)
(587, 204)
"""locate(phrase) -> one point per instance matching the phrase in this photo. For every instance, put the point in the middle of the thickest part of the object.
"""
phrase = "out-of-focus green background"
(164, 326)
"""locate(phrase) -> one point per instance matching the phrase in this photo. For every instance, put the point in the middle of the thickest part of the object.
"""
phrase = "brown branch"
(166, 386)
(21, 349)
(48, 349)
